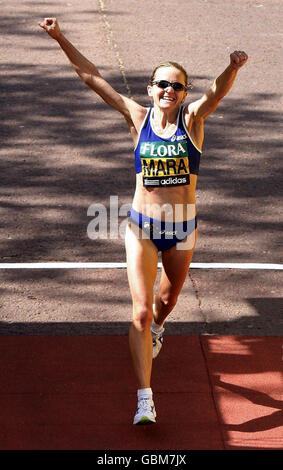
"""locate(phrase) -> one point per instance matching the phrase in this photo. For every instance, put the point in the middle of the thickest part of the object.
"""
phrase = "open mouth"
(167, 98)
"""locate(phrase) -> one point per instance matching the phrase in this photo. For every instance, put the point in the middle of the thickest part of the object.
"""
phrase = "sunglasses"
(177, 86)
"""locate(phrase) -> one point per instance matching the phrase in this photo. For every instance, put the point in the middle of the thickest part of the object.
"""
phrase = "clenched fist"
(238, 59)
(51, 26)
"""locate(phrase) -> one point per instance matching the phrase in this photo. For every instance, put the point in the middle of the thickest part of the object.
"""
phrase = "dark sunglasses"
(177, 86)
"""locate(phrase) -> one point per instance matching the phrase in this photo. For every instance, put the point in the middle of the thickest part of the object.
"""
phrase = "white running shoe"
(146, 413)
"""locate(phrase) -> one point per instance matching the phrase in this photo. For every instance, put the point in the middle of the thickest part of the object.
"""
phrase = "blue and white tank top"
(166, 161)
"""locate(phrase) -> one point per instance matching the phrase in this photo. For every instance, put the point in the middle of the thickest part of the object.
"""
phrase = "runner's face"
(167, 98)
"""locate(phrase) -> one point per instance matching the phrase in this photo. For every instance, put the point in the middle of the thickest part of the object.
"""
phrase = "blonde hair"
(170, 64)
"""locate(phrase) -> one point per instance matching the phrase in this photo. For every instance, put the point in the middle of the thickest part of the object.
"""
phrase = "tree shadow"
(94, 304)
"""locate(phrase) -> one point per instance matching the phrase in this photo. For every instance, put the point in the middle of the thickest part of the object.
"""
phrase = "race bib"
(165, 163)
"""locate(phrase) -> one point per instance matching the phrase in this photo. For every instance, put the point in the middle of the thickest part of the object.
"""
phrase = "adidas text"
(173, 181)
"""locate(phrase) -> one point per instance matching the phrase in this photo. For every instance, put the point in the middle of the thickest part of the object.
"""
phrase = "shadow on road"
(63, 149)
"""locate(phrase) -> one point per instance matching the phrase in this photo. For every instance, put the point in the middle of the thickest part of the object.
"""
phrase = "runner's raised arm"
(87, 71)
(220, 87)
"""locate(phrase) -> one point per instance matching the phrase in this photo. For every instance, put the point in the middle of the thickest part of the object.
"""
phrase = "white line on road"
(81, 265)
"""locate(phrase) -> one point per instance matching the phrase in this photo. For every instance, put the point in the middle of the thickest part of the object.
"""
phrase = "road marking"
(82, 265)
(113, 45)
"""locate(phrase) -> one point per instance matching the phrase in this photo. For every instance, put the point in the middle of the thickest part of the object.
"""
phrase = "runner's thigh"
(142, 259)
(175, 266)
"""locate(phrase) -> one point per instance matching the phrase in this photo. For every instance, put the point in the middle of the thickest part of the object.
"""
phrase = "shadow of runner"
(273, 420)
(246, 379)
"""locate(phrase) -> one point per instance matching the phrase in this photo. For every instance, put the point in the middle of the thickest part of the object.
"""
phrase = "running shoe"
(157, 342)
(146, 413)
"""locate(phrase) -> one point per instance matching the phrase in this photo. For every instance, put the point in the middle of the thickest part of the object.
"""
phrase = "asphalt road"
(63, 150)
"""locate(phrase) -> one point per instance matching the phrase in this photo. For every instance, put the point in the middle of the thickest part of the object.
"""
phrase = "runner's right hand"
(51, 26)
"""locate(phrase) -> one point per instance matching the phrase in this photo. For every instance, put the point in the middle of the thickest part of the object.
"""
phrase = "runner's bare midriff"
(151, 201)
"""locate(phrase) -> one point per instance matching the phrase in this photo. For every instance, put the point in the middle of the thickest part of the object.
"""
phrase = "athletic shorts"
(164, 234)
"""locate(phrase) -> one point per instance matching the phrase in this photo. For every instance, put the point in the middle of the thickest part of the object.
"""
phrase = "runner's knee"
(168, 300)
(142, 317)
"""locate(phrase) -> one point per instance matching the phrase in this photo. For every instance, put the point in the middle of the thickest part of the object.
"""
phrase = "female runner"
(168, 140)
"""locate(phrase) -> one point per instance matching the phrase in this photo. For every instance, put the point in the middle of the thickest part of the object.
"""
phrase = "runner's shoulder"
(190, 110)
(136, 111)
(190, 116)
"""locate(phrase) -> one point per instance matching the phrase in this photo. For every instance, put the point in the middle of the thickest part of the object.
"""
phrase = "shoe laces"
(145, 404)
